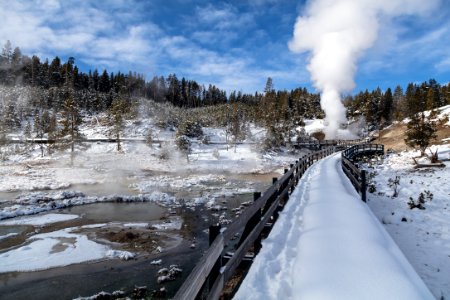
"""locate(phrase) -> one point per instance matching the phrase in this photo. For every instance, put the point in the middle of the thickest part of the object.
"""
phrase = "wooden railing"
(356, 175)
(317, 145)
(209, 276)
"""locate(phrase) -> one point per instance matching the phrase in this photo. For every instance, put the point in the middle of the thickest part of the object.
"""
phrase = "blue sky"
(235, 45)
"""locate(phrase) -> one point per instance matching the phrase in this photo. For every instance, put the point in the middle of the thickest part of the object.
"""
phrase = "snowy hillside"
(422, 234)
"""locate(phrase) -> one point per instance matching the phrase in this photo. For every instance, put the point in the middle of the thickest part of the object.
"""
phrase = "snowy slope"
(327, 244)
(422, 235)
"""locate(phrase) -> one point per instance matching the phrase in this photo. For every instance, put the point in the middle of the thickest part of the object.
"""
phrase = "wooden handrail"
(356, 175)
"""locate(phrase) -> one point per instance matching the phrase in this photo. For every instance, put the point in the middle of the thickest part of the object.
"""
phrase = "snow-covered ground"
(95, 164)
(54, 249)
(422, 235)
(442, 113)
(327, 244)
(34, 187)
(39, 220)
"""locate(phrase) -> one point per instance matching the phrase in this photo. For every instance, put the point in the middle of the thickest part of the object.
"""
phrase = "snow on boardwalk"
(327, 244)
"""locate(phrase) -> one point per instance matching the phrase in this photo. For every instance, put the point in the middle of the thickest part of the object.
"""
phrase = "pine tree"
(430, 100)
(421, 130)
(399, 103)
(5, 63)
(71, 121)
(6, 56)
(236, 125)
(55, 72)
(117, 111)
(16, 66)
(386, 106)
(104, 84)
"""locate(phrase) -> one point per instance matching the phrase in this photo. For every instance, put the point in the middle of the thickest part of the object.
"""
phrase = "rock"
(139, 292)
(163, 278)
(118, 294)
(156, 262)
(161, 293)
(163, 271)
(168, 274)
(102, 296)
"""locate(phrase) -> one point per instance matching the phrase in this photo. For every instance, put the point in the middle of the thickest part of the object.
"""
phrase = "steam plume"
(337, 32)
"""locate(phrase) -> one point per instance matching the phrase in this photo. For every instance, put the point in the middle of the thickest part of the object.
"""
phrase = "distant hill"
(393, 137)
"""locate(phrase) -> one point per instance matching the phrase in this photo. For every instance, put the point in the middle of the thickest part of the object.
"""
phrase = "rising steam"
(336, 32)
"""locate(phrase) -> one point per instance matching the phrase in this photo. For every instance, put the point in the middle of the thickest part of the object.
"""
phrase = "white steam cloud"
(337, 32)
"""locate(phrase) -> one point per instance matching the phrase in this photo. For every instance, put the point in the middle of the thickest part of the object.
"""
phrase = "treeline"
(382, 108)
(98, 89)
(16, 68)
(57, 86)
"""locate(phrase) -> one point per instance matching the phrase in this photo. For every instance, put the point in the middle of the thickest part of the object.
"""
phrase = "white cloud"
(224, 16)
(121, 36)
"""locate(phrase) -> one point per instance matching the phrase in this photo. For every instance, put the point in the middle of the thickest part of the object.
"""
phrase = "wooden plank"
(286, 177)
(240, 222)
(216, 290)
(285, 192)
(351, 166)
(353, 179)
(197, 277)
(235, 260)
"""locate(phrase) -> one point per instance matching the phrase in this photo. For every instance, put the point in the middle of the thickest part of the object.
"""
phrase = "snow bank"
(2, 237)
(136, 225)
(123, 255)
(174, 223)
(328, 245)
(56, 249)
(49, 250)
(39, 220)
(34, 203)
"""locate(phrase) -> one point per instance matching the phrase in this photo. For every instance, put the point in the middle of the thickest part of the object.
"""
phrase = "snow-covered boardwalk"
(327, 244)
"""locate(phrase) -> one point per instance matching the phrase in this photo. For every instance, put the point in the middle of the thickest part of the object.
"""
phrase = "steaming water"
(109, 275)
(337, 33)
(118, 212)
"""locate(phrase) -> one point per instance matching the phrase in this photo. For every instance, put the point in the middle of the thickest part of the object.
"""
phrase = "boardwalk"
(328, 245)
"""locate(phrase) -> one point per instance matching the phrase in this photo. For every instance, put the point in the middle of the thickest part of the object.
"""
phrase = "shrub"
(394, 183)
(419, 203)
(190, 129)
(274, 139)
(216, 153)
(206, 140)
(183, 143)
(164, 153)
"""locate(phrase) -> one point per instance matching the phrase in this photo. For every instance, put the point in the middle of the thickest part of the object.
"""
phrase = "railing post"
(269, 203)
(214, 231)
(363, 185)
(257, 218)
